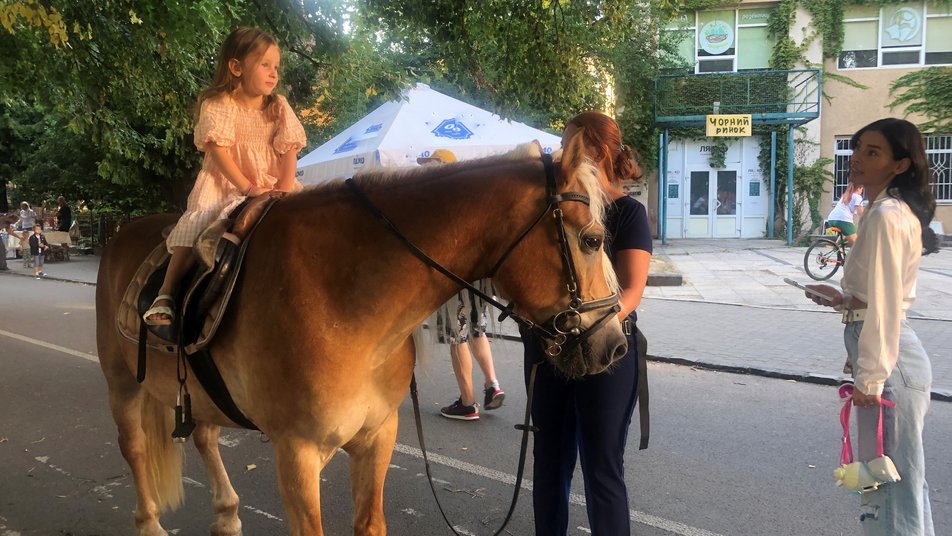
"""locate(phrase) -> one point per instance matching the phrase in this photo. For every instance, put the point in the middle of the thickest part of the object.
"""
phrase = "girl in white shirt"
(878, 288)
(849, 205)
(27, 217)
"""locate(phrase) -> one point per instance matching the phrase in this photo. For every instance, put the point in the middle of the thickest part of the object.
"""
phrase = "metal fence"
(96, 229)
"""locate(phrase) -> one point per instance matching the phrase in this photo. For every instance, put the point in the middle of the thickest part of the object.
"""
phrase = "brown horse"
(317, 348)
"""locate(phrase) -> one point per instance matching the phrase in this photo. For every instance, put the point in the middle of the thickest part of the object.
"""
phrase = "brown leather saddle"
(201, 302)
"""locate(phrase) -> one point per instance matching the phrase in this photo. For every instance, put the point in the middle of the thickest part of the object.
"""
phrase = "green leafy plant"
(927, 92)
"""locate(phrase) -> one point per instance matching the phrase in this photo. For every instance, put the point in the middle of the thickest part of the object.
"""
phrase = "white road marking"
(639, 517)
(673, 527)
(263, 513)
(50, 346)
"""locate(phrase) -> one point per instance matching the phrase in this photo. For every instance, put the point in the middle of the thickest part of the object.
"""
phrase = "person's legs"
(3, 253)
(604, 404)
(464, 408)
(493, 395)
(38, 264)
(901, 507)
(180, 262)
(554, 449)
(463, 370)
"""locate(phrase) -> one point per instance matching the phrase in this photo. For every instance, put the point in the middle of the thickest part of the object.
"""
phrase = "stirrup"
(160, 310)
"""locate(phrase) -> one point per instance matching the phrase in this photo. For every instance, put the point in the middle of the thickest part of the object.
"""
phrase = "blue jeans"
(901, 508)
(584, 419)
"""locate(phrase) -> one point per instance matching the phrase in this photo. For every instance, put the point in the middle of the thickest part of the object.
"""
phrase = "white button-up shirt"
(881, 270)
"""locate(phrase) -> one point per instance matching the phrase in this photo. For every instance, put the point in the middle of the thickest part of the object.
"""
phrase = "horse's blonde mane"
(587, 175)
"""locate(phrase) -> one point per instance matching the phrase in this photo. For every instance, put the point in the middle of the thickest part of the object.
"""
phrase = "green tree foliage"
(116, 80)
(103, 89)
(536, 61)
(927, 92)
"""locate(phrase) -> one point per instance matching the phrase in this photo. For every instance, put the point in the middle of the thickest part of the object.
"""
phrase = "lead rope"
(526, 427)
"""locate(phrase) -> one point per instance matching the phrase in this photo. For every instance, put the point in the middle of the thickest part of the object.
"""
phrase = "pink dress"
(253, 141)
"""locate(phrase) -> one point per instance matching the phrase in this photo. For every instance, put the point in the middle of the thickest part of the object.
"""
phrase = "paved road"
(730, 454)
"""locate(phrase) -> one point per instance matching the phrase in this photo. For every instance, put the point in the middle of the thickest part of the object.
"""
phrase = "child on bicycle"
(849, 205)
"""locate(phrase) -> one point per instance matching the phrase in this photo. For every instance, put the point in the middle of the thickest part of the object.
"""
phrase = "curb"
(819, 379)
(50, 278)
(665, 280)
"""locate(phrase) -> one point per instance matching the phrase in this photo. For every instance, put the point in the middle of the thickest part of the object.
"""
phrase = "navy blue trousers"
(585, 419)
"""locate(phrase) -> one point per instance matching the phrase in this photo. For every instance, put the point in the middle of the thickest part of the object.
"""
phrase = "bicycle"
(825, 255)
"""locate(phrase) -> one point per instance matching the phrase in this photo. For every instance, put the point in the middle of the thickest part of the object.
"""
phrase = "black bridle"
(564, 330)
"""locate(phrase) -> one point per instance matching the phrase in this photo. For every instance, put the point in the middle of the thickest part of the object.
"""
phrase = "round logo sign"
(904, 25)
(716, 37)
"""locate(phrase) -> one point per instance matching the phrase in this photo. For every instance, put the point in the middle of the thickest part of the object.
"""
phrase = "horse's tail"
(164, 455)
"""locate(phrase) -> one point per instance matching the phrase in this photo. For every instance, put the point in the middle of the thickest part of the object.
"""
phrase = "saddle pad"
(127, 317)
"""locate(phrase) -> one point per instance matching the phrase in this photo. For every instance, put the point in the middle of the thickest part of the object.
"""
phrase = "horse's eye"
(592, 243)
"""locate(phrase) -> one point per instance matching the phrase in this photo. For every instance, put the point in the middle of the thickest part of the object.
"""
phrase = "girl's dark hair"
(913, 185)
(603, 135)
(241, 44)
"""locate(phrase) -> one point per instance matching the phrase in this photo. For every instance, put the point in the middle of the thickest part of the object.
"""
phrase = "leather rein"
(563, 331)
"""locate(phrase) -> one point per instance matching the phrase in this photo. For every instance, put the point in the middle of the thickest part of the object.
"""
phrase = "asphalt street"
(730, 454)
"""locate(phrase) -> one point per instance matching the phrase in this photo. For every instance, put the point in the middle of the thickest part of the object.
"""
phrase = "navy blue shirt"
(626, 223)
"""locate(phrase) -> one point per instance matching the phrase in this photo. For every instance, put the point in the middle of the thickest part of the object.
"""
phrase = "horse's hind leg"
(369, 461)
(299, 463)
(224, 498)
(156, 467)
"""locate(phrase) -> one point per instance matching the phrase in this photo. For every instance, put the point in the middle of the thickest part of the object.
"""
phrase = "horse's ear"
(574, 154)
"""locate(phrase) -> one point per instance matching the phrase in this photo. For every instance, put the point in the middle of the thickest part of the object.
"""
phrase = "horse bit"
(564, 330)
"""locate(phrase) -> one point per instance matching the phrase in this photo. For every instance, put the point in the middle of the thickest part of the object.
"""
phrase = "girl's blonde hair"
(851, 189)
(241, 44)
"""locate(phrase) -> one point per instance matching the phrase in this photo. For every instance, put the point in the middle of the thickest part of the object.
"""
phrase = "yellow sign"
(728, 125)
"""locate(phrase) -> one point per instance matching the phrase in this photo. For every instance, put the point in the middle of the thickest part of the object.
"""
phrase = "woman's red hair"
(602, 135)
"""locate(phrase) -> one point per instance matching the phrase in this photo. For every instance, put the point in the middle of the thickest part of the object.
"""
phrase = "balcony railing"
(770, 97)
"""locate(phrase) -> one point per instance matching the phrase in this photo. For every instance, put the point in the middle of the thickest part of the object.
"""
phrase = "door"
(725, 205)
(698, 205)
(712, 204)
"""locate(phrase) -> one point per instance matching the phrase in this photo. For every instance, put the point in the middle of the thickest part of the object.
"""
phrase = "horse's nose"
(620, 350)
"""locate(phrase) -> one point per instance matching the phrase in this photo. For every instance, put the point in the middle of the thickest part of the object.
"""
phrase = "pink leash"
(846, 456)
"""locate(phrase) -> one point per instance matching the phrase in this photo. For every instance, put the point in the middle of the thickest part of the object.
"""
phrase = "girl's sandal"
(160, 310)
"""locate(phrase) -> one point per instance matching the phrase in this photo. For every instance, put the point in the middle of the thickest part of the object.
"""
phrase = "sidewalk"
(79, 269)
(733, 311)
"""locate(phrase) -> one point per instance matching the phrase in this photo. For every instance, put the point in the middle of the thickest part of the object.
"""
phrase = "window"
(724, 40)
(716, 45)
(912, 33)
(841, 167)
(938, 151)
(754, 46)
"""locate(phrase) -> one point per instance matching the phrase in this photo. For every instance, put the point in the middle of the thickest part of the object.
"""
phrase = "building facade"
(880, 45)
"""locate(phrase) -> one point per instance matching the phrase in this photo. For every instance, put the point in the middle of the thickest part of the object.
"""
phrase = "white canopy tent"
(423, 120)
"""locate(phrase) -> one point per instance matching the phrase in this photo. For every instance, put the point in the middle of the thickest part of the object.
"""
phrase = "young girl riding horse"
(250, 137)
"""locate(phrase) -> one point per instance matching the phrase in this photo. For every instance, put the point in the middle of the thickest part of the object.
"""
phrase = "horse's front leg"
(224, 498)
(369, 460)
(299, 462)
